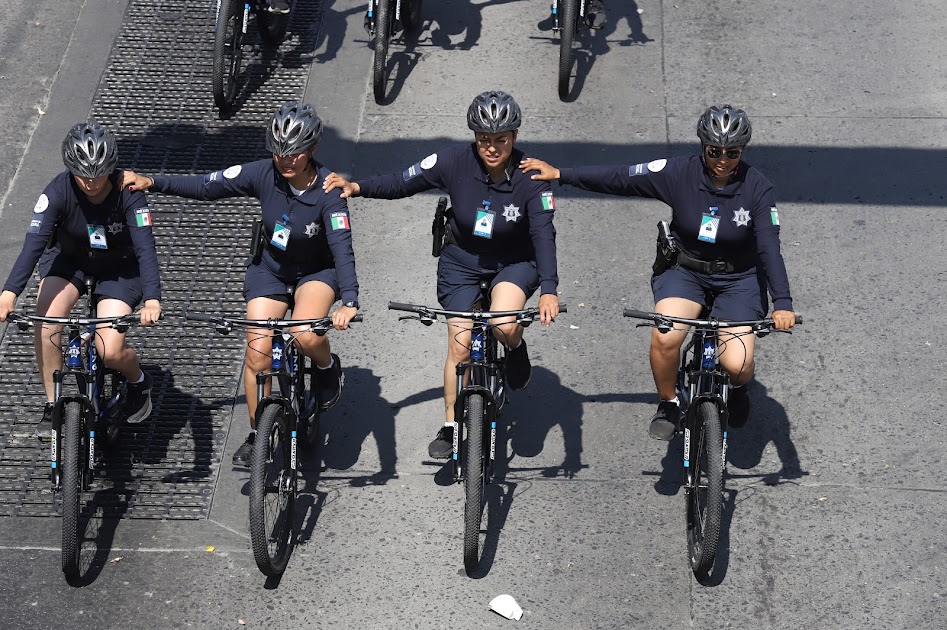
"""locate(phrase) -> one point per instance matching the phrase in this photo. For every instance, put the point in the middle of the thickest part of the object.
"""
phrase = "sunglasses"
(715, 153)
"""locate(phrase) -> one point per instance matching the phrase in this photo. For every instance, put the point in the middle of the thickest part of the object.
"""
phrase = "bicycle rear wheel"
(705, 494)
(272, 491)
(227, 53)
(71, 461)
(380, 63)
(567, 25)
(474, 482)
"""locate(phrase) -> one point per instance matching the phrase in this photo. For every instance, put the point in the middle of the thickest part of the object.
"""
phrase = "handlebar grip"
(357, 318)
(630, 312)
(563, 308)
(798, 319)
(199, 317)
(401, 306)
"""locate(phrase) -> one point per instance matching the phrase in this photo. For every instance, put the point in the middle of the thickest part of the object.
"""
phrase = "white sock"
(517, 345)
(673, 400)
(140, 378)
(331, 363)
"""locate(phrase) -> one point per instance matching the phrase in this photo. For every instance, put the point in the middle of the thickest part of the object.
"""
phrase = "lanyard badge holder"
(483, 225)
(281, 232)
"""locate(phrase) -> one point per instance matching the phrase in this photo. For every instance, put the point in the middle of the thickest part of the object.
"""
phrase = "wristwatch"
(351, 304)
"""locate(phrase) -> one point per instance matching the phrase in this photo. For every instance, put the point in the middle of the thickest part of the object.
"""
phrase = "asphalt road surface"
(833, 511)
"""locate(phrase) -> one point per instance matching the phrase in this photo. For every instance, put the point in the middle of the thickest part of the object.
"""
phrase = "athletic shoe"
(330, 383)
(44, 429)
(242, 456)
(518, 369)
(443, 444)
(279, 6)
(596, 14)
(138, 403)
(664, 422)
(738, 406)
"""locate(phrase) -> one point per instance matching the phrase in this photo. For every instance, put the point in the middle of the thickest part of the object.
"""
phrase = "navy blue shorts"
(261, 281)
(121, 281)
(735, 296)
(459, 273)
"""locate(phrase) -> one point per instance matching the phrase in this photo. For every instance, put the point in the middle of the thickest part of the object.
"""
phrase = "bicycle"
(95, 411)
(384, 17)
(281, 420)
(478, 403)
(703, 389)
(568, 16)
(229, 30)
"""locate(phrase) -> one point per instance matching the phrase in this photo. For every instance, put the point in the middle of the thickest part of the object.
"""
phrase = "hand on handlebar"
(334, 180)
(342, 317)
(150, 313)
(545, 172)
(7, 304)
(784, 320)
(548, 308)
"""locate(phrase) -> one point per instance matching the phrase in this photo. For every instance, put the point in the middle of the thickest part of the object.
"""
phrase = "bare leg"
(56, 298)
(111, 344)
(665, 351)
(259, 345)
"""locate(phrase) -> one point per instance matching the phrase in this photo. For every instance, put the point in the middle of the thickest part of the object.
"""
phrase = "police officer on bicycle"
(84, 224)
(725, 230)
(304, 255)
(500, 227)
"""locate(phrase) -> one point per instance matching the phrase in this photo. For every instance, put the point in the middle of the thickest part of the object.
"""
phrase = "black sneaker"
(443, 444)
(242, 456)
(518, 369)
(596, 14)
(44, 430)
(330, 383)
(278, 6)
(138, 403)
(664, 422)
(738, 407)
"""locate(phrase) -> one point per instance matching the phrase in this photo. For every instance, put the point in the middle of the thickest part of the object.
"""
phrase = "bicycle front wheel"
(705, 492)
(272, 491)
(474, 481)
(71, 475)
(567, 25)
(382, 33)
(227, 53)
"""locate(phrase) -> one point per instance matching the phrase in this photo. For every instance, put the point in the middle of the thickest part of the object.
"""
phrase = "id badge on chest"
(280, 238)
(97, 237)
(709, 224)
(483, 225)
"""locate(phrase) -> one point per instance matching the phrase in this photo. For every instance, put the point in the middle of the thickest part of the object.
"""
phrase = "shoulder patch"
(656, 166)
(774, 215)
(35, 224)
(412, 171)
(340, 221)
(233, 171)
(41, 204)
(429, 161)
(549, 200)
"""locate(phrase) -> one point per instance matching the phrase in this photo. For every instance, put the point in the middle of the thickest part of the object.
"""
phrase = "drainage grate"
(156, 96)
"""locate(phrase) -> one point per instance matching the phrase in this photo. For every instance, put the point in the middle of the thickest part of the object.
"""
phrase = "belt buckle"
(718, 266)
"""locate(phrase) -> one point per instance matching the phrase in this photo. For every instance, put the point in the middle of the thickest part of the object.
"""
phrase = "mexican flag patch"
(774, 214)
(143, 217)
(340, 221)
(549, 202)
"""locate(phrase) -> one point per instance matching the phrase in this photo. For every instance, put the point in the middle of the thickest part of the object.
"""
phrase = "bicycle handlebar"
(121, 320)
(712, 323)
(274, 324)
(531, 312)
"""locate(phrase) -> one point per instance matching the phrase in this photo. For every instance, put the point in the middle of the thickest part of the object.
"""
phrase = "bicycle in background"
(383, 21)
(478, 403)
(283, 420)
(702, 389)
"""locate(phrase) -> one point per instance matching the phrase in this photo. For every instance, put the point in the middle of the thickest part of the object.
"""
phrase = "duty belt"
(709, 266)
(303, 259)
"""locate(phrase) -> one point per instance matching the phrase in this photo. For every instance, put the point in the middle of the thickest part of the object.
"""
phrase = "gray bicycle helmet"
(494, 112)
(295, 127)
(89, 150)
(724, 126)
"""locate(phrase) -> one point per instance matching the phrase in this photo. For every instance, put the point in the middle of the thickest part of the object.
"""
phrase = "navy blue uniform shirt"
(320, 233)
(747, 220)
(511, 219)
(116, 230)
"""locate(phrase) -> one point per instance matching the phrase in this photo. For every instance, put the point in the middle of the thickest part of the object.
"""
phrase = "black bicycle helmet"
(89, 150)
(295, 127)
(494, 112)
(724, 126)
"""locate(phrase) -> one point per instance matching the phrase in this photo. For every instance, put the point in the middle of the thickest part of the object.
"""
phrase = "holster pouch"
(256, 242)
(439, 227)
(666, 255)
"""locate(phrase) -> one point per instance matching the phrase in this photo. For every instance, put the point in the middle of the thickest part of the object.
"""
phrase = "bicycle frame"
(286, 364)
(372, 12)
(579, 15)
(701, 378)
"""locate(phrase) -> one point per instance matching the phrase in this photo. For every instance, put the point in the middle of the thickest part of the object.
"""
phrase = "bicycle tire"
(229, 32)
(272, 492)
(705, 498)
(567, 27)
(380, 62)
(272, 27)
(71, 472)
(411, 15)
(474, 481)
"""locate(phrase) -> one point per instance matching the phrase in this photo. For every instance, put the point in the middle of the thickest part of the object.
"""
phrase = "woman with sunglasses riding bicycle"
(725, 225)
(500, 227)
(85, 224)
(304, 257)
